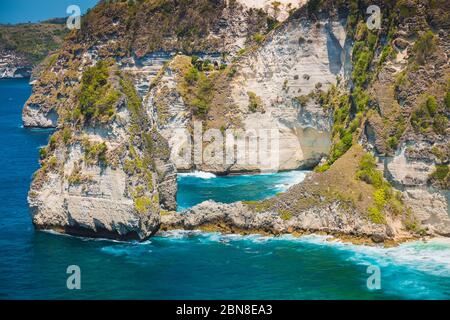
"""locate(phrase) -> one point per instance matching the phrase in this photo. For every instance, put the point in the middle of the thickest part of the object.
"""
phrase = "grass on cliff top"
(341, 182)
(34, 41)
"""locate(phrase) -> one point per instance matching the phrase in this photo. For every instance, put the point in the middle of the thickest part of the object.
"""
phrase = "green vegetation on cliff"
(189, 22)
(429, 116)
(440, 177)
(424, 46)
(95, 153)
(206, 92)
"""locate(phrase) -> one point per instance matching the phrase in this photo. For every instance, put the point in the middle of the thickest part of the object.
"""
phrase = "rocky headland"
(367, 109)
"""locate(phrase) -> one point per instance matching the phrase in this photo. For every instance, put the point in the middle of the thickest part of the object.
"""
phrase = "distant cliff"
(23, 46)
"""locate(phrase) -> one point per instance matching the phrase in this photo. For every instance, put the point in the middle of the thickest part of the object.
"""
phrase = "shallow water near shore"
(191, 265)
(196, 187)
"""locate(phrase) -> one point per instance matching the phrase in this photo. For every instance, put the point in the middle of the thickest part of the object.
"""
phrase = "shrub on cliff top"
(426, 117)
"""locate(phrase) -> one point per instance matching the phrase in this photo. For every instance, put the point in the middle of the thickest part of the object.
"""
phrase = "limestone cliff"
(272, 84)
(409, 94)
(368, 108)
(334, 202)
(13, 66)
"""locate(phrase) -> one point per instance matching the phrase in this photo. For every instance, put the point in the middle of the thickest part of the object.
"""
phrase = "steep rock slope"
(106, 170)
(334, 202)
(408, 127)
(273, 84)
(297, 63)
(397, 109)
(127, 33)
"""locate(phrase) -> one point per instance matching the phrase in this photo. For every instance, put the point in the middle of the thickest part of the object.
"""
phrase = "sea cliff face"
(367, 108)
(410, 129)
(270, 86)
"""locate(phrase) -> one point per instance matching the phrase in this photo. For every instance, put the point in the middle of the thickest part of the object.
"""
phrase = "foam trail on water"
(198, 174)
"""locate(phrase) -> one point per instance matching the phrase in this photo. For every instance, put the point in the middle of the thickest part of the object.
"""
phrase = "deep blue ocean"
(191, 265)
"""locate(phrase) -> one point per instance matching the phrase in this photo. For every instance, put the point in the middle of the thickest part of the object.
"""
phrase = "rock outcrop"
(105, 173)
(13, 66)
(335, 202)
(281, 76)
(238, 218)
(409, 129)
(293, 61)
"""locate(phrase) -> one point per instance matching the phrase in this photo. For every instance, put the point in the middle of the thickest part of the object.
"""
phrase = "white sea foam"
(291, 178)
(198, 174)
(53, 232)
(432, 257)
(415, 259)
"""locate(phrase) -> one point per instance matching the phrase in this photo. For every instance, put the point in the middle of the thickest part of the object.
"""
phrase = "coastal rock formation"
(368, 108)
(110, 28)
(273, 85)
(409, 129)
(431, 209)
(335, 202)
(278, 71)
(12, 66)
(106, 171)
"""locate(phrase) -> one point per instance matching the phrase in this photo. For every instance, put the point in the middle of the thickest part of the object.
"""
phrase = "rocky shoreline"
(13, 66)
(238, 218)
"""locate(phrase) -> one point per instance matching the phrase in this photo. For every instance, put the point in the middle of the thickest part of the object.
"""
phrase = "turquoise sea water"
(197, 187)
(191, 265)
